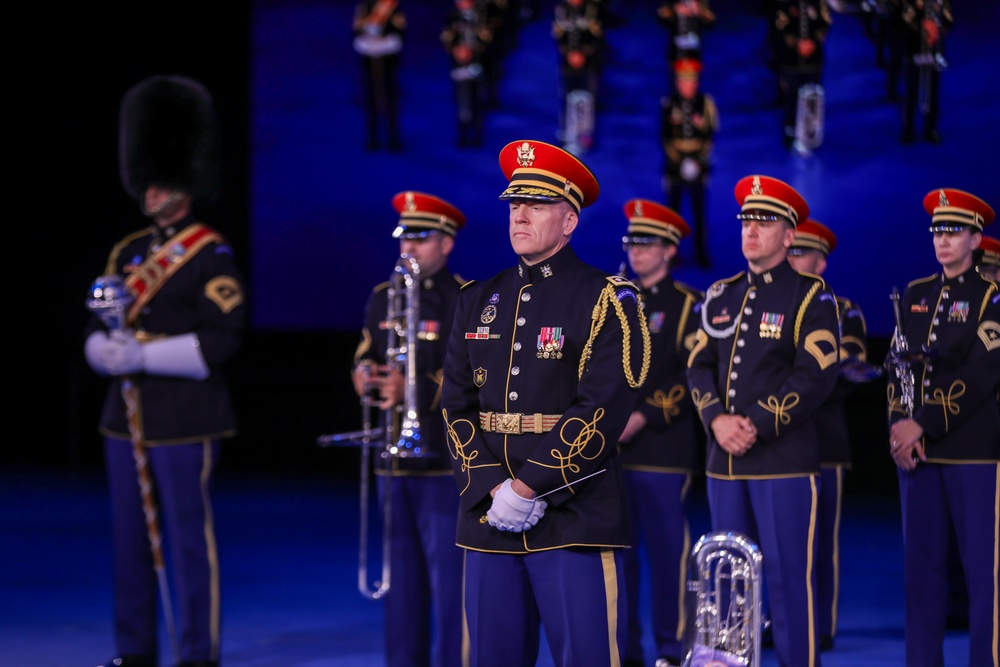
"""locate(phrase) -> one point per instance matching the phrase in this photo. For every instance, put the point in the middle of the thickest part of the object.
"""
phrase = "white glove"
(122, 355)
(93, 350)
(512, 512)
(176, 356)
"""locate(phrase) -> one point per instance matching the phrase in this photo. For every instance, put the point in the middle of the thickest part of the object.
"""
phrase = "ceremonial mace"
(110, 300)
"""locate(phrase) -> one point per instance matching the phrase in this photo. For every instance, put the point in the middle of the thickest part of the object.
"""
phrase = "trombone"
(402, 316)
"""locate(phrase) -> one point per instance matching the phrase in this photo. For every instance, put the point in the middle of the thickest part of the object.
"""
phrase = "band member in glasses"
(661, 444)
(945, 437)
(765, 359)
(540, 378)
(423, 607)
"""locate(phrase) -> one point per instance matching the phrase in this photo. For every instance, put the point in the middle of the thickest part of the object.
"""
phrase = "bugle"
(399, 435)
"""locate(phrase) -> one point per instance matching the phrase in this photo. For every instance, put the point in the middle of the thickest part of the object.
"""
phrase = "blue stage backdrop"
(321, 216)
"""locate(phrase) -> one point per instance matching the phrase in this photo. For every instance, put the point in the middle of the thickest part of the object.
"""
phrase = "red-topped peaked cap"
(953, 210)
(541, 171)
(421, 213)
(991, 250)
(687, 67)
(648, 218)
(764, 193)
(814, 235)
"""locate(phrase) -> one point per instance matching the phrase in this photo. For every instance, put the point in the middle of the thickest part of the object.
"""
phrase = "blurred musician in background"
(423, 608)
(466, 38)
(924, 25)
(685, 20)
(988, 258)
(379, 27)
(661, 444)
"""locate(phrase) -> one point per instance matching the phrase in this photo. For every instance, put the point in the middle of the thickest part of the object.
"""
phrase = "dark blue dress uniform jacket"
(831, 418)
(767, 349)
(494, 364)
(437, 297)
(670, 440)
(204, 296)
(958, 319)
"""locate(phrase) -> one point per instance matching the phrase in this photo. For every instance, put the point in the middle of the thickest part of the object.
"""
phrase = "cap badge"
(942, 199)
(550, 343)
(525, 154)
(637, 209)
(546, 271)
(567, 186)
(411, 204)
(756, 188)
(489, 314)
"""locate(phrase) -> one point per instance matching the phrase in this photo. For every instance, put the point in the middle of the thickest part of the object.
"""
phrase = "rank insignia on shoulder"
(550, 343)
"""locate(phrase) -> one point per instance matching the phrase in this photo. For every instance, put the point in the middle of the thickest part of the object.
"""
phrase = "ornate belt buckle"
(508, 423)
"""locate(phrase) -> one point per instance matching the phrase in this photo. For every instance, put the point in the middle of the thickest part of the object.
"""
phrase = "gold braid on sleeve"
(597, 321)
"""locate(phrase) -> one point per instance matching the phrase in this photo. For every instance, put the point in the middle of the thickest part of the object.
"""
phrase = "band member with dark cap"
(945, 436)
(379, 27)
(185, 323)
(813, 244)
(660, 446)
(689, 121)
(540, 378)
(765, 360)
(988, 258)
(423, 607)
(924, 24)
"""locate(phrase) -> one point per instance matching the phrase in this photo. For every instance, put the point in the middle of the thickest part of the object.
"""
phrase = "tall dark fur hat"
(167, 137)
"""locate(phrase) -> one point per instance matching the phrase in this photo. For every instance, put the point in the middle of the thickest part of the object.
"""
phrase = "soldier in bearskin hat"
(167, 407)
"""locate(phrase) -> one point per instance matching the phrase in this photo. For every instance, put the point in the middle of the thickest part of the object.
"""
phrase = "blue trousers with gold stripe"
(660, 526)
(181, 475)
(576, 594)
(779, 514)
(936, 498)
(828, 548)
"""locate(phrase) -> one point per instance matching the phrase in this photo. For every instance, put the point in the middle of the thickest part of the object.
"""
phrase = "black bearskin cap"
(167, 137)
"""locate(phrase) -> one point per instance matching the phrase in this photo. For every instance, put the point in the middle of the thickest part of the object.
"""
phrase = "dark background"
(285, 128)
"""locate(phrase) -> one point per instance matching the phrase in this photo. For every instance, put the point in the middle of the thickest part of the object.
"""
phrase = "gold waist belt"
(515, 423)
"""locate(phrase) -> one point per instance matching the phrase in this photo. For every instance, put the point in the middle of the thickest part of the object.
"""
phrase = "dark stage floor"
(288, 554)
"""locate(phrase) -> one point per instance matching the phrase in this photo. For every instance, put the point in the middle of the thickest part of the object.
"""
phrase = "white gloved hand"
(513, 512)
(176, 356)
(93, 350)
(122, 355)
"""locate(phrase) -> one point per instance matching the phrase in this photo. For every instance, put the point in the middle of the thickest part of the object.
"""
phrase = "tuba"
(399, 435)
(724, 589)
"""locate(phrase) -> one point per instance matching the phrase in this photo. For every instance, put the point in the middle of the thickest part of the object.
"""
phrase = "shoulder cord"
(597, 321)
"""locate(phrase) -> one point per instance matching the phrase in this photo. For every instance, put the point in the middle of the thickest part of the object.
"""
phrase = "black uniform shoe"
(131, 661)
(198, 663)
(932, 136)
(632, 663)
(907, 137)
(826, 643)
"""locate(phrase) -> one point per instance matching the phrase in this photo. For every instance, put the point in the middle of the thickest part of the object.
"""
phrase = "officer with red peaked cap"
(765, 360)
(658, 477)
(543, 365)
(945, 437)
(989, 258)
(425, 563)
(813, 243)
